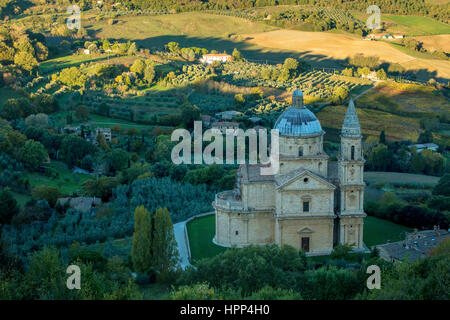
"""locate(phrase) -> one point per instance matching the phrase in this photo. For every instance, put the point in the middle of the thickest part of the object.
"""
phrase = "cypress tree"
(382, 137)
(141, 254)
(165, 253)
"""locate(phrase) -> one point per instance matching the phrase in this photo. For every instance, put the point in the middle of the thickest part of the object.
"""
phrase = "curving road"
(182, 246)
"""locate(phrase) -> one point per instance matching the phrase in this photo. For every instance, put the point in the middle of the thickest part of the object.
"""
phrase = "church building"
(312, 203)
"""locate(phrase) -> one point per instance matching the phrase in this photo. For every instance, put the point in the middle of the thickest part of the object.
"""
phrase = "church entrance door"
(305, 244)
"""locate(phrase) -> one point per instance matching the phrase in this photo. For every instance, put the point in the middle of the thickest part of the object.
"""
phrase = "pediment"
(302, 179)
(305, 230)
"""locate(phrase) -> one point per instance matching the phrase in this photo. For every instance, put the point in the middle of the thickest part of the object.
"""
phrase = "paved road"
(178, 229)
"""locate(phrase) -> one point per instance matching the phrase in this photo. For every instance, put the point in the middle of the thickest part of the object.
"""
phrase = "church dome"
(298, 120)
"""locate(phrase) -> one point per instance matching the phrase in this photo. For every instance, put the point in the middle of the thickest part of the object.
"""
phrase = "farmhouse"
(311, 203)
(106, 133)
(384, 36)
(211, 57)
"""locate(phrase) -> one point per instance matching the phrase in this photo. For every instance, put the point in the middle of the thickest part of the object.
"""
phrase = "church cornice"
(341, 160)
(321, 156)
(302, 215)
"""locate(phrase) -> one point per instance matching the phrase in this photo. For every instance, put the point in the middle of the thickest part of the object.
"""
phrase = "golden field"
(326, 47)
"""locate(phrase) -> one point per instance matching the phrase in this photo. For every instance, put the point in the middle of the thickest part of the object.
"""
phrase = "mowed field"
(326, 47)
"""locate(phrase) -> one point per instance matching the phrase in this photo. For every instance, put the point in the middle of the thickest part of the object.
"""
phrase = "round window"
(305, 180)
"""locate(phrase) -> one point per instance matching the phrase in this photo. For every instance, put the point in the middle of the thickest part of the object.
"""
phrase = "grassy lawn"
(68, 61)
(66, 181)
(399, 177)
(201, 232)
(378, 231)
(416, 25)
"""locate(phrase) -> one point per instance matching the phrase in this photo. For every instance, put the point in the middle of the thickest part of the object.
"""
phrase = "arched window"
(300, 151)
(352, 156)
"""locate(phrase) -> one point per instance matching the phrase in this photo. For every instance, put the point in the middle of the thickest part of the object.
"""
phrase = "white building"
(211, 57)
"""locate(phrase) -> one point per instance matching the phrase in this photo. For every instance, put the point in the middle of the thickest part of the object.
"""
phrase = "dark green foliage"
(413, 216)
(8, 206)
(443, 186)
(74, 148)
(249, 269)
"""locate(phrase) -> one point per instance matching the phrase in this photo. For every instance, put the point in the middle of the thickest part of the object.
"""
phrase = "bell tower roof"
(351, 127)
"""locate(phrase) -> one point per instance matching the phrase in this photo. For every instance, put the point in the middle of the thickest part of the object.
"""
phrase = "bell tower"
(351, 184)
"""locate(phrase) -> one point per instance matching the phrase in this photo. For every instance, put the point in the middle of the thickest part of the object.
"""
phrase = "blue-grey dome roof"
(298, 120)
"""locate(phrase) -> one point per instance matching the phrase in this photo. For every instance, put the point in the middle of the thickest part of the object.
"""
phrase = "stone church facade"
(312, 203)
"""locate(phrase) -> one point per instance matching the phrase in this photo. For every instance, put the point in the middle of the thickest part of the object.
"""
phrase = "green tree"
(48, 193)
(45, 278)
(72, 77)
(236, 54)
(189, 114)
(101, 187)
(149, 73)
(138, 67)
(165, 253)
(118, 159)
(173, 47)
(443, 186)
(82, 112)
(379, 158)
(348, 72)
(33, 154)
(425, 137)
(8, 206)
(41, 51)
(340, 94)
(132, 50)
(382, 137)
(141, 254)
(25, 60)
(284, 75)
(75, 148)
(381, 74)
(291, 64)
(100, 138)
